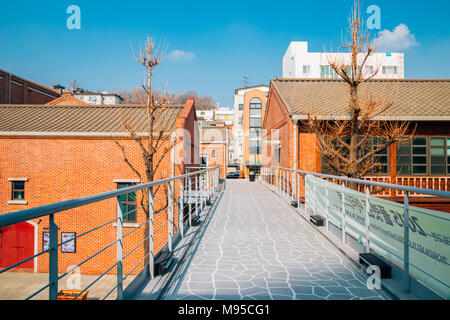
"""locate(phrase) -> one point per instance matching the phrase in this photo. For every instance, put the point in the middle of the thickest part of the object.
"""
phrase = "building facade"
(103, 98)
(57, 153)
(255, 102)
(238, 122)
(424, 161)
(299, 63)
(16, 90)
(214, 147)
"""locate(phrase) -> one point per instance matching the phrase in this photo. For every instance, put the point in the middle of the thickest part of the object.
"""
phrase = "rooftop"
(414, 99)
(81, 119)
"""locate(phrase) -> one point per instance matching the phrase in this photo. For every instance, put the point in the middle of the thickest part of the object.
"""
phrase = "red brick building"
(214, 146)
(16, 90)
(424, 162)
(52, 153)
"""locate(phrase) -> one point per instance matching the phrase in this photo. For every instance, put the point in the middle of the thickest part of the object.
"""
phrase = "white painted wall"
(297, 56)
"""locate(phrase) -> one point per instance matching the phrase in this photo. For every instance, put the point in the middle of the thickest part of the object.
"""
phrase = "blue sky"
(212, 44)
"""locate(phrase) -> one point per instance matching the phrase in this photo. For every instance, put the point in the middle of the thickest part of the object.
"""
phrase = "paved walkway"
(257, 247)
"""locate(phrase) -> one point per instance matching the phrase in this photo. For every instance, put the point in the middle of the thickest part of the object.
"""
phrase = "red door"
(17, 244)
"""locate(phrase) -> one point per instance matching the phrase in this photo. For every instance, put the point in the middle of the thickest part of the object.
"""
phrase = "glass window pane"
(419, 160)
(19, 185)
(420, 141)
(404, 160)
(255, 122)
(437, 142)
(18, 195)
(404, 149)
(255, 112)
(438, 169)
(403, 169)
(438, 160)
(437, 151)
(419, 150)
(420, 169)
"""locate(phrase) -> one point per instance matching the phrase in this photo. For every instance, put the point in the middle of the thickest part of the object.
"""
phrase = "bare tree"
(350, 146)
(154, 142)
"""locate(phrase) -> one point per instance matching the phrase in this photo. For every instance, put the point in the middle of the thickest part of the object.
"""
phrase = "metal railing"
(183, 197)
(291, 185)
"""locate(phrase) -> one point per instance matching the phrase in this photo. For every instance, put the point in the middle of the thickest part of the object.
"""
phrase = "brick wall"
(61, 168)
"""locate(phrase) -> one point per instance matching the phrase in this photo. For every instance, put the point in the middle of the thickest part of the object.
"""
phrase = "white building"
(208, 115)
(99, 98)
(299, 63)
(238, 129)
(225, 115)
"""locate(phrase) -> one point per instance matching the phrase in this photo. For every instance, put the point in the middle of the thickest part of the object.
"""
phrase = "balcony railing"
(181, 199)
(435, 183)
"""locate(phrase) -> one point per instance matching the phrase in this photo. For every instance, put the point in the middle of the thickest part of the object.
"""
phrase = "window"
(368, 70)
(254, 147)
(437, 155)
(404, 158)
(448, 156)
(241, 106)
(424, 156)
(306, 69)
(389, 70)
(327, 72)
(255, 113)
(127, 203)
(18, 190)
(381, 158)
(419, 155)
(255, 122)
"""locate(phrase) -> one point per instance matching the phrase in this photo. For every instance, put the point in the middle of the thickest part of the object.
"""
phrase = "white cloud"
(179, 55)
(400, 39)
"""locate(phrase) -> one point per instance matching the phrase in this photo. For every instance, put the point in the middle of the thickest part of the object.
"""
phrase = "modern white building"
(238, 129)
(299, 63)
(99, 98)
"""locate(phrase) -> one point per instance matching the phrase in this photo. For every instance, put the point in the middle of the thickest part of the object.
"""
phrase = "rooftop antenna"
(245, 81)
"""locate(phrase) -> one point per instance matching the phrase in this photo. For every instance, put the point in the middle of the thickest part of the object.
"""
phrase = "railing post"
(367, 247)
(406, 279)
(306, 195)
(298, 189)
(170, 218)
(119, 246)
(327, 205)
(150, 233)
(181, 209)
(53, 259)
(197, 192)
(190, 200)
(316, 180)
(293, 186)
(343, 211)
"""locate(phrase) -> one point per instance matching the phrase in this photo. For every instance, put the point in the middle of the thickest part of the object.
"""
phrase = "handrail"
(11, 218)
(206, 181)
(437, 193)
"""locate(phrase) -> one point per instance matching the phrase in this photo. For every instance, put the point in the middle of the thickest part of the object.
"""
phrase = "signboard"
(70, 245)
(429, 230)
(45, 241)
